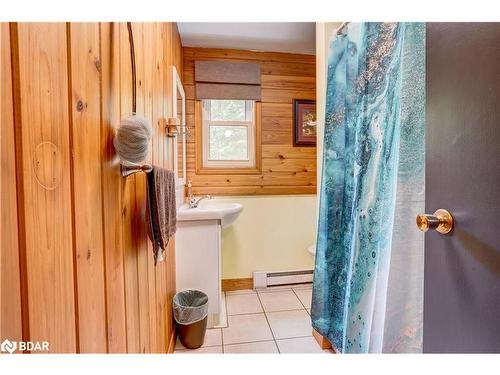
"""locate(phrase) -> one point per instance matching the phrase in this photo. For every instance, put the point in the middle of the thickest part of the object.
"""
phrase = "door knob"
(441, 220)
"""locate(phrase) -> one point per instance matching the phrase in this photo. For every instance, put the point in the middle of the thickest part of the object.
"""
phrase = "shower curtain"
(368, 277)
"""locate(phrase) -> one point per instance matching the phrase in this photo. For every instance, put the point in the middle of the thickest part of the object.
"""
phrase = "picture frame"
(304, 123)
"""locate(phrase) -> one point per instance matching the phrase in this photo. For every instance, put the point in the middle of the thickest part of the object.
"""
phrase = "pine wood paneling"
(288, 82)
(112, 190)
(10, 281)
(190, 103)
(285, 169)
(289, 165)
(44, 133)
(159, 108)
(130, 239)
(265, 179)
(149, 70)
(288, 152)
(272, 124)
(234, 54)
(277, 110)
(285, 68)
(277, 130)
(139, 224)
(160, 84)
(255, 190)
(80, 271)
(276, 137)
(85, 104)
(286, 96)
(172, 55)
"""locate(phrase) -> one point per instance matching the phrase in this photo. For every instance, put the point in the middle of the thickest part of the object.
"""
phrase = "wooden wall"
(77, 267)
(10, 282)
(285, 169)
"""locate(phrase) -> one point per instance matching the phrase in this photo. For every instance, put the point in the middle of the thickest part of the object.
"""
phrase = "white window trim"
(177, 86)
(250, 125)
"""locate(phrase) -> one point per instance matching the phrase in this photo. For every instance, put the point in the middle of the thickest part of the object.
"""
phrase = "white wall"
(271, 234)
(324, 31)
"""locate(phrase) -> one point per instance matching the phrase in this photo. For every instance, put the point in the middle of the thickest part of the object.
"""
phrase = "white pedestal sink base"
(197, 260)
(198, 253)
(219, 320)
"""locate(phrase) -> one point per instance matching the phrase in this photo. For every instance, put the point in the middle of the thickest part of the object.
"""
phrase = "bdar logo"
(8, 346)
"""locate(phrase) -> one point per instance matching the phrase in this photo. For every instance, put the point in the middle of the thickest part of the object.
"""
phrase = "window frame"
(252, 165)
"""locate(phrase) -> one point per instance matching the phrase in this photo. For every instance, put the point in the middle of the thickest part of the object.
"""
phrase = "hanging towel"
(160, 209)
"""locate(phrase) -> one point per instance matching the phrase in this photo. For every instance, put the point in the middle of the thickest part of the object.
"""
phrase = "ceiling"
(294, 37)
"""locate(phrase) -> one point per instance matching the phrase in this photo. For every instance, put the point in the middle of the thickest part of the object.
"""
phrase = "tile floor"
(274, 320)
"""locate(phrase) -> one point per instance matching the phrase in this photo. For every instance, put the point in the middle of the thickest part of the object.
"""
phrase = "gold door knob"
(441, 220)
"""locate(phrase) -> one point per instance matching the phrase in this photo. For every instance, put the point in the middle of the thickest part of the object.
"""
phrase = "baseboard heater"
(263, 279)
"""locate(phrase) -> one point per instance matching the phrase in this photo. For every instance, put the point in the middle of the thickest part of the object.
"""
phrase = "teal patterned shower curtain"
(368, 277)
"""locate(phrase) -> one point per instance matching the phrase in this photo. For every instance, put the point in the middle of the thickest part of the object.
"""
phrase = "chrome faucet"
(193, 201)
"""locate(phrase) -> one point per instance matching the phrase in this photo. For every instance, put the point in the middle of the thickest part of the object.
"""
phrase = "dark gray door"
(462, 269)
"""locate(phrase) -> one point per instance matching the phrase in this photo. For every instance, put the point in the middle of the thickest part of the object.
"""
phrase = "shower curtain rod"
(340, 28)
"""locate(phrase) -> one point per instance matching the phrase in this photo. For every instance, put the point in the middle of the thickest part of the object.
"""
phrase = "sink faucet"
(193, 201)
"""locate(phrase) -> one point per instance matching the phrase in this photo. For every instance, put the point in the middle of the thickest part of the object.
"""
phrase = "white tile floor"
(273, 320)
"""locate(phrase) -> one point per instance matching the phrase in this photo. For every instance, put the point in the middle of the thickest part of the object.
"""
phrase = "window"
(228, 134)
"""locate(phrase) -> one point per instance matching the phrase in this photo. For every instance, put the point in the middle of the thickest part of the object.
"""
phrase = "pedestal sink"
(211, 210)
(198, 251)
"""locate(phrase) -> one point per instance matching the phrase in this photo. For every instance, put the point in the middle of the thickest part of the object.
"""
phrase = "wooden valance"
(227, 80)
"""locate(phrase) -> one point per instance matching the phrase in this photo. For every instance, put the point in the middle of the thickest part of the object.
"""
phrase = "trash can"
(190, 313)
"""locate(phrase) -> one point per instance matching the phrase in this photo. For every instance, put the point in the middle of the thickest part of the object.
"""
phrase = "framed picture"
(304, 122)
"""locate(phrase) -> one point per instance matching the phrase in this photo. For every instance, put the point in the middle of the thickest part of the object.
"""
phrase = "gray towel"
(160, 209)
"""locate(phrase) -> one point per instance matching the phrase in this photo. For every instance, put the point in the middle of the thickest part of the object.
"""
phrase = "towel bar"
(128, 170)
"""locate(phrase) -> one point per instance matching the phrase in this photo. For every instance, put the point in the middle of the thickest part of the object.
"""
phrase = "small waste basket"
(190, 313)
